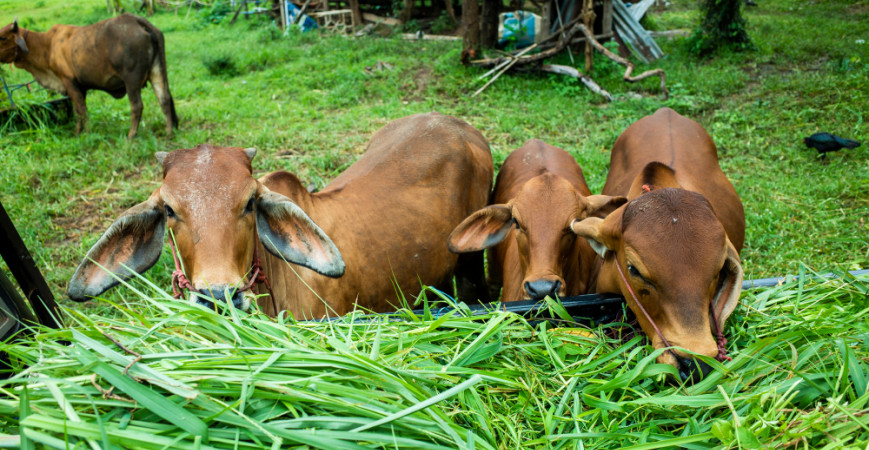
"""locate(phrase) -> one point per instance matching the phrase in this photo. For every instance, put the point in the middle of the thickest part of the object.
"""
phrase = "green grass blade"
(147, 398)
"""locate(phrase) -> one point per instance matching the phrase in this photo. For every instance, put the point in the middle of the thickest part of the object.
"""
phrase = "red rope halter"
(257, 275)
(719, 336)
(179, 280)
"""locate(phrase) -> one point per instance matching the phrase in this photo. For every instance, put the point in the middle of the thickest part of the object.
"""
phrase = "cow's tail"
(159, 75)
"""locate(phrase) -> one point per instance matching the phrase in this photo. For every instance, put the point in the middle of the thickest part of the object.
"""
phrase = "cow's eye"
(170, 212)
(249, 207)
(633, 271)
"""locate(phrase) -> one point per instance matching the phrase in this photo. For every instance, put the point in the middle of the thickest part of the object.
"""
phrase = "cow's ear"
(131, 245)
(18, 39)
(250, 152)
(161, 156)
(655, 175)
(482, 229)
(729, 286)
(21, 43)
(602, 205)
(289, 233)
(601, 234)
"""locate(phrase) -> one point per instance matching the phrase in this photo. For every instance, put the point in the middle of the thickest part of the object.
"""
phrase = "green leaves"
(149, 399)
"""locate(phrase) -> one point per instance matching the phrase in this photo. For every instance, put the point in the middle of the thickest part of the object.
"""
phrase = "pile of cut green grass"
(169, 374)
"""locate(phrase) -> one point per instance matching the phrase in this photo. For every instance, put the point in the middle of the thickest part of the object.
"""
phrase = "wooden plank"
(378, 19)
(545, 22)
(607, 19)
(420, 36)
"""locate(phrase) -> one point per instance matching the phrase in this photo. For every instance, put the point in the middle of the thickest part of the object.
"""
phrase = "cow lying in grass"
(674, 247)
(533, 253)
(118, 56)
(389, 214)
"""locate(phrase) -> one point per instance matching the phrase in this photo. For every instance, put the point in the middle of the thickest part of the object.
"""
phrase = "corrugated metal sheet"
(641, 43)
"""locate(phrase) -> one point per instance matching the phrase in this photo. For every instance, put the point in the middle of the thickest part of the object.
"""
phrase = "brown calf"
(678, 238)
(539, 192)
(118, 56)
(389, 214)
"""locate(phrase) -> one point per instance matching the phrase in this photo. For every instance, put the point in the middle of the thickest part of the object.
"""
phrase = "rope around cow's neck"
(179, 280)
(721, 341)
(257, 275)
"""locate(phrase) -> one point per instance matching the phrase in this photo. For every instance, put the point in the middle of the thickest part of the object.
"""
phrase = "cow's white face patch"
(202, 195)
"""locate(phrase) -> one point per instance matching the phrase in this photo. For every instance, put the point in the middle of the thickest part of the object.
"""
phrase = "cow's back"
(390, 213)
(683, 145)
(411, 149)
(535, 158)
(103, 54)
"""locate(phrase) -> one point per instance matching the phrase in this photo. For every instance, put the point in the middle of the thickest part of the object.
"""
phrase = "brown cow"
(539, 192)
(676, 241)
(118, 55)
(389, 214)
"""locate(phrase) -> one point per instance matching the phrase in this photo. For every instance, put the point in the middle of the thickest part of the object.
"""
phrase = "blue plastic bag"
(307, 23)
(519, 28)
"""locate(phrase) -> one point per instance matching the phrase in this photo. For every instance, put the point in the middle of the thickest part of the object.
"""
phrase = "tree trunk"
(470, 30)
(489, 22)
(356, 12)
(406, 12)
(722, 26)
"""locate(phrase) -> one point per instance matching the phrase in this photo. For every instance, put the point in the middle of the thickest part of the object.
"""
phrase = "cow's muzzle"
(692, 370)
(540, 289)
(224, 295)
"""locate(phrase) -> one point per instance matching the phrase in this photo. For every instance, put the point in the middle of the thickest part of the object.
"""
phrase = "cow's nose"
(539, 289)
(692, 370)
(219, 293)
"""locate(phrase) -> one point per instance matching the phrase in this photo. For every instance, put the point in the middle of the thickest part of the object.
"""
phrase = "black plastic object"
(590, 309)
(29, 278)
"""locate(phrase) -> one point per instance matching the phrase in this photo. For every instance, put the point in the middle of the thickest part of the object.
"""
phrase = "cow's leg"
(471, 278)
(134, 91)
(79, 104)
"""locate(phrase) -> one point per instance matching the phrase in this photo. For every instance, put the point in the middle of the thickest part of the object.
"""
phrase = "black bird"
(826, 142)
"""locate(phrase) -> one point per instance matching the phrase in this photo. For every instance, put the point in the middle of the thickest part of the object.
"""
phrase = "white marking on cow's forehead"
(204, 157)
(206, 193)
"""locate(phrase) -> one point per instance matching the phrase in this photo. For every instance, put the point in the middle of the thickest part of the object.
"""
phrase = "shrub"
(221, 66)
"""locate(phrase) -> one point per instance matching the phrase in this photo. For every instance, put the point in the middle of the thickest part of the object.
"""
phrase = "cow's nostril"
(219, 294)
(203, 298)
(241, 301)
(539, 289)
(692, 370)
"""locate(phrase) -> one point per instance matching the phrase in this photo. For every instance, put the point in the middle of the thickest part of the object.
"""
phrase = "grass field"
(309, 103)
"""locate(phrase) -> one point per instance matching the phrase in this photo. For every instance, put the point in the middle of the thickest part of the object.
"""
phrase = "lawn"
(309, 102)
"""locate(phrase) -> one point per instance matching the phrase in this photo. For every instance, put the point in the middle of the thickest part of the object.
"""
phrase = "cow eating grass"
(533, 253)
(118, 56)
(673, 250)
(389, 214)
